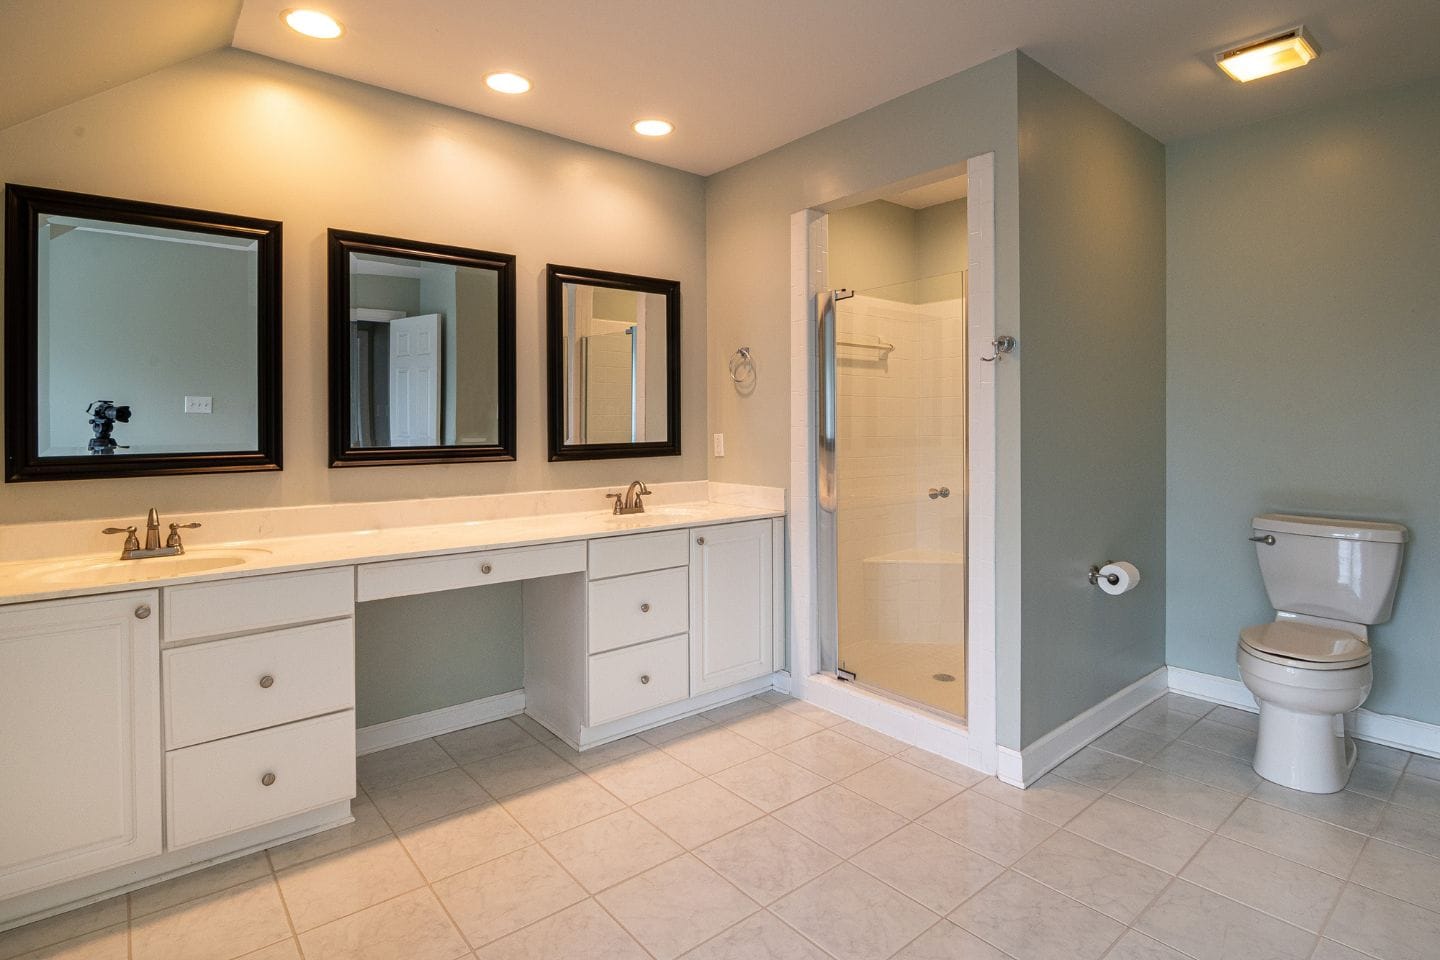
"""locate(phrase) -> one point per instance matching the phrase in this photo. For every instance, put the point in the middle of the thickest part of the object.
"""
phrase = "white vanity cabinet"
(80, 748)
(732, 604)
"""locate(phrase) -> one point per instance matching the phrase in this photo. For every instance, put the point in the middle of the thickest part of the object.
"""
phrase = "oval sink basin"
(677, 510)
(88, 570)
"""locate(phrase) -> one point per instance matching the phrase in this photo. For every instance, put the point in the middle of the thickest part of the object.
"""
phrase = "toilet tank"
(1338, 569)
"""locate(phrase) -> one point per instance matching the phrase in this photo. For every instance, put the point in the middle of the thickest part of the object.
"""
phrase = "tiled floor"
(770, 829)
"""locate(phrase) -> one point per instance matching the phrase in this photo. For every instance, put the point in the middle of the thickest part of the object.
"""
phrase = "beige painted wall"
(240, 133)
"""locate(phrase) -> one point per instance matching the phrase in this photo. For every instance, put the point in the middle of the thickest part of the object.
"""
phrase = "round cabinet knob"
(644, 608)
(142, 612)
(700, 541)
(267, 681)
(644, 678)
(486, 568)
(268, 779)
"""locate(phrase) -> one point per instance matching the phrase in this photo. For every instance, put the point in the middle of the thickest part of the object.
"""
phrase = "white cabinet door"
(79, 737)
(731, 604)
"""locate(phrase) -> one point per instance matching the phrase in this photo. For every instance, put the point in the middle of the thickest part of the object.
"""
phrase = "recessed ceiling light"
(313, 23)
(503, 81)
(652, 127)
(1261, 58)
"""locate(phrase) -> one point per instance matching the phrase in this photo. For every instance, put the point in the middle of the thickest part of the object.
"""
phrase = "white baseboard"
(1020, 768)
(1399, 732)
(393, 733)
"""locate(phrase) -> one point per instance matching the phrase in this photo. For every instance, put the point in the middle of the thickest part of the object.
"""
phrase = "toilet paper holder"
(1095, 576)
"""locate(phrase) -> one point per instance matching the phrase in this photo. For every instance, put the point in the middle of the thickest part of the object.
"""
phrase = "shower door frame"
(971, 741)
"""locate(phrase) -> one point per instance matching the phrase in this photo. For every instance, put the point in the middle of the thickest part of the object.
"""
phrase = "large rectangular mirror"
(422, 352)
(614, 364)
(140, 339)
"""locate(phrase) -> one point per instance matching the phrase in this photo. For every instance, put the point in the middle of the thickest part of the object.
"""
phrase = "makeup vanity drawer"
(241, 782)
(225, 687)
(638, 678)
(403, 578)
(220, 607)
(638, 552)
(643, 606)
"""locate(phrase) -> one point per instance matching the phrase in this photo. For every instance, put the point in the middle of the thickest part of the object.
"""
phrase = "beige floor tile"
(1384, 927)
(111, 943)
(1419, 765)
(498, 898)
(463, 840)
(816, 715)
(1207, 766)
(901, 787)
(64, 926)
(854, 916)
(1100, 878)
(557, 806)
(766, 859)
(1223, 738)
(484, 741)
(1410, 828)
(1418, 793)
(518, 770)
(406, 762)
(1293, 893)
(416, 801)
(698, 812)
(1373, 780)
(736, 709)
(760, 937)
(830, 754)
(1244, 719)
(1162, 721)
(1322, 846)
(1207, 926)
(991, 829)
(928, 868)
(946, 941)
(581, 932)
(772, 728)
(1383, 755)
(533, 727)
(1030, 921)
(1050, 798)
(1330, 950)
(871, 738)
(712, 749)
(643, 776)
(327, 889)
(675, 729)
(1175, 796)
(1131, 742)
(676, 906)
(1139, 833)
(1136, 946)
(840, 820)
(938, 765)
(218, 927)
(769, 781)
(603, 852)
(284, 950)
(413, 926)
(1180, 703)
(596, 757)
(201, 883)
(1400, 872)
(368, 825)
(1097, 769)
(1348, 809)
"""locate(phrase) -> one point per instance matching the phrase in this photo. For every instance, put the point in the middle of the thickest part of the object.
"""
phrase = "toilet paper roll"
(1128, 574)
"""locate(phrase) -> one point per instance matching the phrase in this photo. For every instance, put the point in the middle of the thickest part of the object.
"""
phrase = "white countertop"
(73, 576)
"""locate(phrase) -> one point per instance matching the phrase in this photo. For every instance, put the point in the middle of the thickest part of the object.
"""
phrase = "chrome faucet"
(132, 549)
(629, 501)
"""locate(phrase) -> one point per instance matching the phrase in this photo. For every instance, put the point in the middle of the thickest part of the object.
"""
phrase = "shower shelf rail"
(869, 343)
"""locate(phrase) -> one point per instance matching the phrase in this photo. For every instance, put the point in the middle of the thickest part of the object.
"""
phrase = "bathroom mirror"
(140, 339)
(614, 364)
(422, 352)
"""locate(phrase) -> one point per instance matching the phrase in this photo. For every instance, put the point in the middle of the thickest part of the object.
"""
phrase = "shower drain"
(943, 677)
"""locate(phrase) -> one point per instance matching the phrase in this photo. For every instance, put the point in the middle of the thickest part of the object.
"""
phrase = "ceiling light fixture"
(1274, 54)
(503, 81)
(313, 23)
(652, 127)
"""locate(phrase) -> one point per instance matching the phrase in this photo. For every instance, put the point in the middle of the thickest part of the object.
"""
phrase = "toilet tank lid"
(1338, 529)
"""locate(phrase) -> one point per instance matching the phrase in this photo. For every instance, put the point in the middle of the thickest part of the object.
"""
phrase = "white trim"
(1392, 731)
(393, 733)
(1022, 768)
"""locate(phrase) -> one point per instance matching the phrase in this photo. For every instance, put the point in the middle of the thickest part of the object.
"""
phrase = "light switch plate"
(719, 444)
(197, 404)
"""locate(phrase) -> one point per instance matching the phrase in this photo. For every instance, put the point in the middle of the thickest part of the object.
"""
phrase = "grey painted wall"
(1304, 345)
(1092, 363)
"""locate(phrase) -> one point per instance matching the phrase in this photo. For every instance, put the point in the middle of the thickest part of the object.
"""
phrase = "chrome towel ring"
(742, 366)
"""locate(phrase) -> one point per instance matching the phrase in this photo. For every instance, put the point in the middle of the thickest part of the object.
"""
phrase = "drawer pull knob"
(486, 568)
(644, 608)
(268, 779)
(142, 612)
(700, 541)
(644, 678)
(267, 681)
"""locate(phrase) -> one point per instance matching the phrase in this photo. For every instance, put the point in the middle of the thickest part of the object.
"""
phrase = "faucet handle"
(618, 498)
(174, 539)
(132, 542)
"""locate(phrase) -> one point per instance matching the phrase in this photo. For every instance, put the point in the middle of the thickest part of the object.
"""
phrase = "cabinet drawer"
(219, 788)
(643, 606)
(225, 687)
(638, 678)
(617, 556)
(213, 609)
(402, 578)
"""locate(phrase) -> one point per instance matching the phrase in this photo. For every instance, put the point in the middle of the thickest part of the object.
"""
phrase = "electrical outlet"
(197, 404)
(719, 444)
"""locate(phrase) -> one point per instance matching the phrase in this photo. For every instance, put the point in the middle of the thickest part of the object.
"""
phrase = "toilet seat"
(1305, 646)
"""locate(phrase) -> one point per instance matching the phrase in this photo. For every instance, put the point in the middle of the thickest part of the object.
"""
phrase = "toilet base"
(1303, 751)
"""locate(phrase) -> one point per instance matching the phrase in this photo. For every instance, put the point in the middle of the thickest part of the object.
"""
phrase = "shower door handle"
(825, 420)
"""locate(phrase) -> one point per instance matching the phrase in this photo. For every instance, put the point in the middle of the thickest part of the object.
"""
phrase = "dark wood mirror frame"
(23, 208)
(556, 277)
(342, 243)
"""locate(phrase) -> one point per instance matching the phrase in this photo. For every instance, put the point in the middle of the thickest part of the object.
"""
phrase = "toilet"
(1328, 580)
